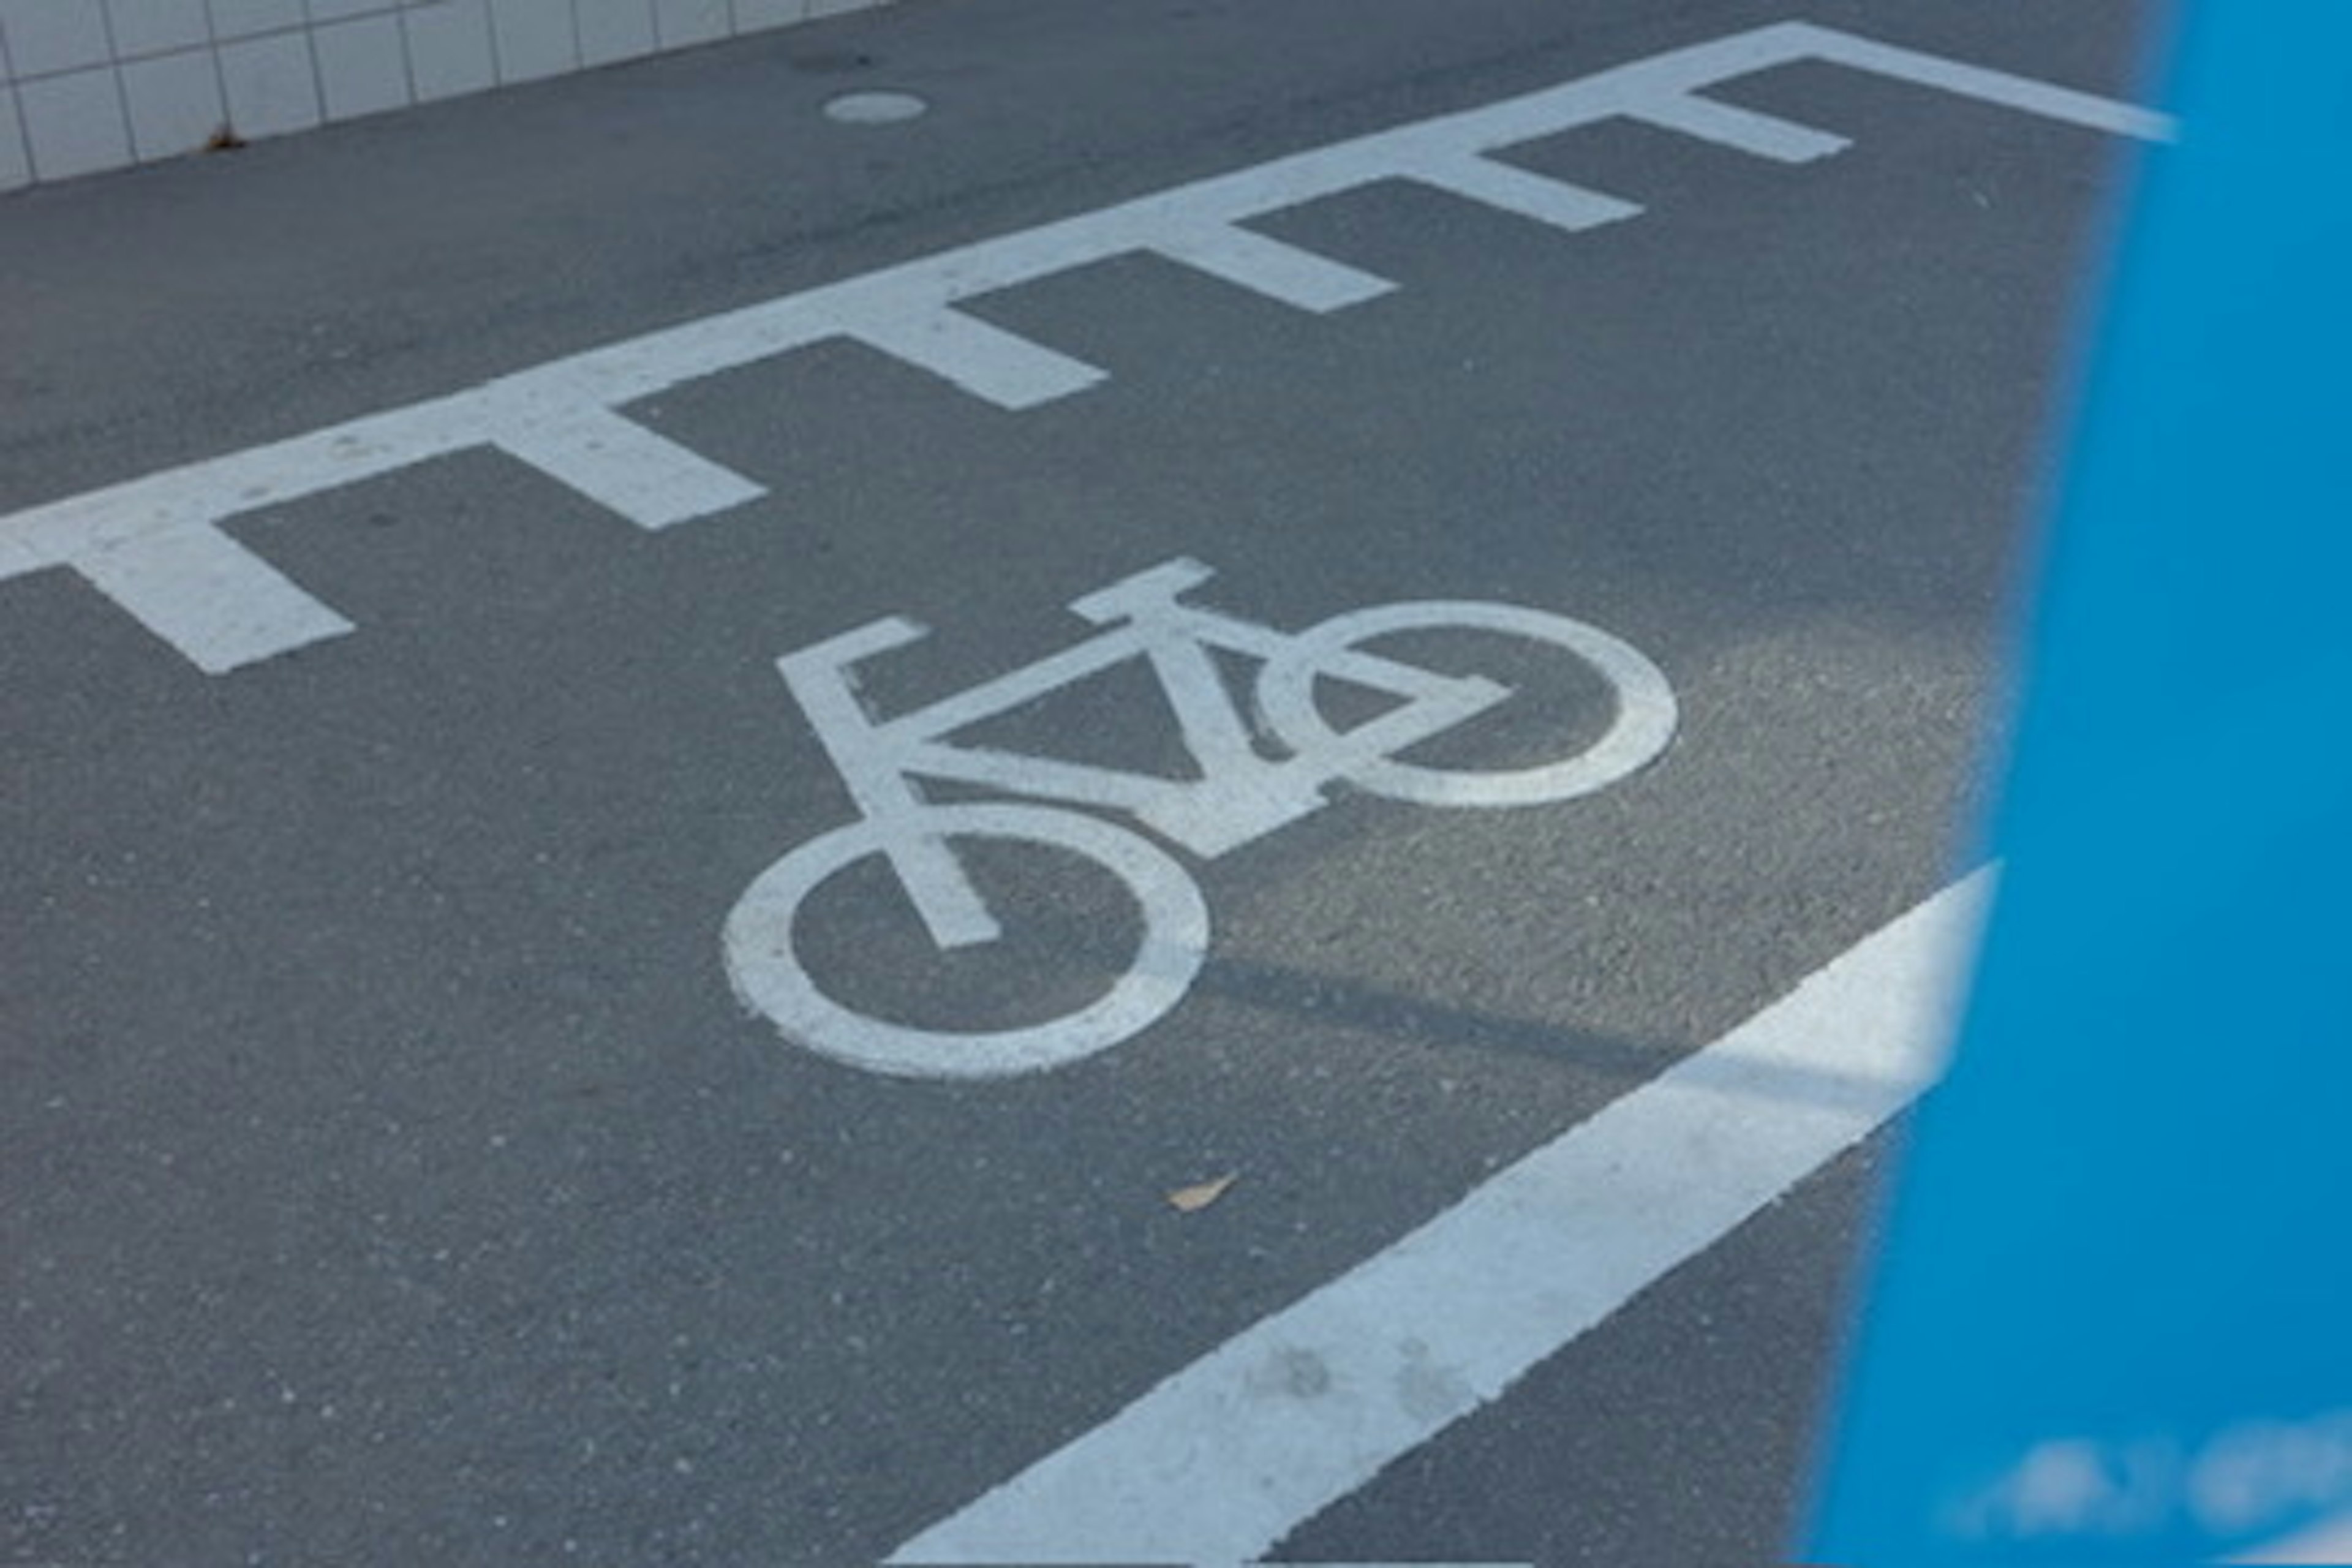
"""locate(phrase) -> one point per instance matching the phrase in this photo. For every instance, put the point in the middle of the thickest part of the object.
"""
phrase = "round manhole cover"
(873, 108)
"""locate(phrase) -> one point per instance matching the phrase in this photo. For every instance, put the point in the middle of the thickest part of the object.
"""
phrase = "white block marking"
(1222, 1461)
(908, 310)
(648, 478)
(1745, 130)
(1515, 190)
(1269, 266)
(1993, 87)
(987, 362)
(208, 595)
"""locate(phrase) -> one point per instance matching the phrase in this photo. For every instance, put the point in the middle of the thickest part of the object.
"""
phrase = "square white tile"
(534, 38)
(75, 124)
(15, 162)
(756, 15)
(679, 22)
(174, 103)
(157, 26)
(363, 67)
(244, 18)
(271, 88)
(449, 49)
(50, 36)
(615, 30)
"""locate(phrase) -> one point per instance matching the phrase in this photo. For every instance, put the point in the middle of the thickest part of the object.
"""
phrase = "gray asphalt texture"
(390, 1174)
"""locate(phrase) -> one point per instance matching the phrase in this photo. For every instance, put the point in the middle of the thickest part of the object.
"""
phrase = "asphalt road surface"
(484, 1083)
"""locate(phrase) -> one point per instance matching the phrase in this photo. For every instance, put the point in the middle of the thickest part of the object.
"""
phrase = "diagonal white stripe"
(1226, 1457)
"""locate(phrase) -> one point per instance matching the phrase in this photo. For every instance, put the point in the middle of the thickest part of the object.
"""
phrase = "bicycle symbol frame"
(1239, 796)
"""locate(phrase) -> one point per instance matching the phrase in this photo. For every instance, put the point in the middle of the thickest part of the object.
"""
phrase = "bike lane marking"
(1222, 1461)
(1238, 796)
(133, 541)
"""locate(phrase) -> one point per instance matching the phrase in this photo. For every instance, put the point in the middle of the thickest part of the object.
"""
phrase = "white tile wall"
(681, 23)
(157, 26)
(15, 159)
(271, 87)
(87, 85)
(174, 103)
(48, 36)
(244, 18)
(363, 67)
(533, 39)
(449, 49)
(750, 15)
(614, 30)
(75, 123)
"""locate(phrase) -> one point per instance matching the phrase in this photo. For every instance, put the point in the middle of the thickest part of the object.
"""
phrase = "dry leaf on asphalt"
(1200, 1195)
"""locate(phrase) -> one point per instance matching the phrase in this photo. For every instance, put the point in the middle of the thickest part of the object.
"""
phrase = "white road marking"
(908, 311)
(1222, 1461)
(1279, 271)
(987, 362)
(2022, 93)
(1237, 797)
(650, 480)
(1745, 130)
(207, 595)
(1515, 190)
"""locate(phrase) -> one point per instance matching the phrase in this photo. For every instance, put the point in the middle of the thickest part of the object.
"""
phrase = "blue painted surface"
(2111, 1321)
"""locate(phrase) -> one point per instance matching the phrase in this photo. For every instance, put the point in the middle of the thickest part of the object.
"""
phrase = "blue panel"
(2112, 1317)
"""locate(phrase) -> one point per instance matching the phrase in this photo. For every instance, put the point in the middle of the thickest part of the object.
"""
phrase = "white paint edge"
(985, 361)
(647, 478)
(1742, 129)
(1224, 1460)
(907, 310)
(1511, 189)
(211, 597)
(1282, 272)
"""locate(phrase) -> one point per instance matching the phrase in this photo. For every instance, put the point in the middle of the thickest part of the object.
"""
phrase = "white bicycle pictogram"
(1238, 796)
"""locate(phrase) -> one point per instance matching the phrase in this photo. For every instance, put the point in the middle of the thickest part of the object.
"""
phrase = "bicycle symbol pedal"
(1239, 795)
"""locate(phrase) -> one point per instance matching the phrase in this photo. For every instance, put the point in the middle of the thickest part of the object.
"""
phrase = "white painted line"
(211, 597)
(1269, 266)
(1745, 130)
(1987, 85)
(987, 362)
(907, 310)
(648, 478)
(1515, 190)
(1222, 1461)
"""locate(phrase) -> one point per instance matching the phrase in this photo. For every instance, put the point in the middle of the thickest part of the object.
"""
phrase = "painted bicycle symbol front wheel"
(764, 956)
(1641, 723)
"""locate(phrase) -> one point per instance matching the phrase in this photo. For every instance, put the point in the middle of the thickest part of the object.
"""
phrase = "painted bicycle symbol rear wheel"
(764, 962)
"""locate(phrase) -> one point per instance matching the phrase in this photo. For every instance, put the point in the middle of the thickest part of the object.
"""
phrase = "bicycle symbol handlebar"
(1238, 796)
